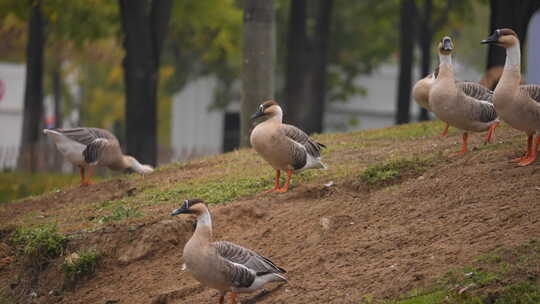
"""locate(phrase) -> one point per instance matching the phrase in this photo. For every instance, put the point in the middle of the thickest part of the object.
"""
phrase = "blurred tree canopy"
(84, 49)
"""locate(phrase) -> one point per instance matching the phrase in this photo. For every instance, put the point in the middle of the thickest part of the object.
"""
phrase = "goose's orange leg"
(222, 299)
(463, 145)
(286, 186)
(443, 134)
(276, 186)
(532, 156)
(527, 153)
(233, 298)
(86, 179)
(491, 132)
(81, 171)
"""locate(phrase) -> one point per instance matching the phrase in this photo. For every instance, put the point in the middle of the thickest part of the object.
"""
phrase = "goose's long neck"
(446, 71)
(277, 116)
(204, 226)
(511, 75)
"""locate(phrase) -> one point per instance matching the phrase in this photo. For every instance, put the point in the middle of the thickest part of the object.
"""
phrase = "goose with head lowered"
(466, 105)
(222, 265)
(90, 147)
(518, 105)
(283, 146)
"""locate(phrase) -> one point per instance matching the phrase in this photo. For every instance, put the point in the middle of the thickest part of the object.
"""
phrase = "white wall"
(11, 105)
(196, 130)
(533, 50)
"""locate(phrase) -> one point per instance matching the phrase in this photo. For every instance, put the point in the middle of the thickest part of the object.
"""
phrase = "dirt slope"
(338, 243)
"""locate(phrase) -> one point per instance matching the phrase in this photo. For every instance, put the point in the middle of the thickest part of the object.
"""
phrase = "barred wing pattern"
(96, 141)
(531, 90)
(475, 90)
(243, 265)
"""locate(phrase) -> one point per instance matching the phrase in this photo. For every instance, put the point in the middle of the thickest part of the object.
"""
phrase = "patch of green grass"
(80, 264)
(119, 213)
(16, 185)
(410, 131)
(504, 276)
(40, 244)
(393, 168)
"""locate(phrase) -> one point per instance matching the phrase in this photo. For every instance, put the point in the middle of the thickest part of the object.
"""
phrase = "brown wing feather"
(475, 90)
(299, 136)
(86, 136)
(531, 90)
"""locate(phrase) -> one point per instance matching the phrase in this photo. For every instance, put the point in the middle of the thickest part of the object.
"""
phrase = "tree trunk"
(509, 14)
(296, 64)
(258, 63)
(426, 37)
(406, 42)
(305, 89)
(33, 95)
(144, 26)
(316, 89)
(57, 95)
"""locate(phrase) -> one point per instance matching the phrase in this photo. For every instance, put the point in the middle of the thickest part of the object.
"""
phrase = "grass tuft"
(393, 168)
(79, 265)
(120, 213)
(39, 245)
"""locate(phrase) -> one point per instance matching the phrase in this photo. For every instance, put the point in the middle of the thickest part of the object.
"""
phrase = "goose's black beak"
(257, 114)
(447, 45)
(494, 38)
(181, 210)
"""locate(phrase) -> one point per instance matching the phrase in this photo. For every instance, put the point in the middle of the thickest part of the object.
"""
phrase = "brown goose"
(465, 105)
(283, 146)
(222, 265)
(517, 105)
(420, 93)
(89, 147)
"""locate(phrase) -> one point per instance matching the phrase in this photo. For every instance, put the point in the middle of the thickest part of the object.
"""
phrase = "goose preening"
(283, 146)
(420, 93)
(222, 265)
(516, 104)
(89, 147)
(464, 105)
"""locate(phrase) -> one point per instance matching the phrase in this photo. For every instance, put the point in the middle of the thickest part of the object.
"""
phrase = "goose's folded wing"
(299, 136)
(248, 258)
(481, 110)
(475, 90)
(531, 90)
(237, 275)
(95, 150)
(86, 136)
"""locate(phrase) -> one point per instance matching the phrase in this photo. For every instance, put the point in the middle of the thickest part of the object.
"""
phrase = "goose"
(421, 94)
(283, 146)
(518, 105)
(89, 147)
(464, 105)
(223, 265)
(423, 86)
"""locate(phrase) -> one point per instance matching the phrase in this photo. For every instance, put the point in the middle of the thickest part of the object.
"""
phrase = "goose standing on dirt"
(89, 147)
(465, 106)
(420, 93)
(222, 265)
(518, 105)
(283, 146)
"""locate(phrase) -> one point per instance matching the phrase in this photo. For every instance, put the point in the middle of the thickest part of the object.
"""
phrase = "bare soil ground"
(338, 243)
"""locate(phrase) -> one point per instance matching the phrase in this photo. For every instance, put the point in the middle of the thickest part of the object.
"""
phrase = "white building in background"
(533, 50)
(12, 80)
(198, 130)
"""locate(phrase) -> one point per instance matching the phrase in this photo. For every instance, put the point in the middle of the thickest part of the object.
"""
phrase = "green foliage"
(504, 276)
(80, 264)
(120, 213)
(40, 244)
(392, 169)
(15, 185)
